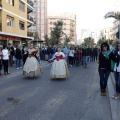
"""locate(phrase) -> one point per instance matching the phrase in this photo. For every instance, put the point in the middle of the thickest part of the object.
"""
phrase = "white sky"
(89, 13)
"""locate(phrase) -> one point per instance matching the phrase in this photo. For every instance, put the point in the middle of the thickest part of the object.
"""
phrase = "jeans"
(5, 64)
(117, 81)
(66, 57)
(0, 64)
(18, 63)
(104, 75)
(49, 56)
(85, 60)
(76, 61)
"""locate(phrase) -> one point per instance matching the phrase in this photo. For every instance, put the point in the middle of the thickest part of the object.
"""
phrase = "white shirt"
(71, 53)
(5, 54)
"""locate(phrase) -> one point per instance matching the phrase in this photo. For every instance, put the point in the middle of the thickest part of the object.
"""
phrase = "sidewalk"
(13, 69)
(114, 104)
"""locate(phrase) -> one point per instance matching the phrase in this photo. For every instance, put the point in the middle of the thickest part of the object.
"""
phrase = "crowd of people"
(29, 57)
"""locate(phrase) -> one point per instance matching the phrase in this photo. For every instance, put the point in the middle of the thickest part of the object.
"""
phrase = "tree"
(36, 36)
(89, 41)
(47, 40)
(67, 40)
(56, 33)
(115, 15)
(100, 41)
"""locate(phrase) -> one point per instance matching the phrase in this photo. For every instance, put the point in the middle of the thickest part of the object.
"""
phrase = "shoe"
(20, 67)
(8, 73)
(116, 96)
(5, 73)
(17, 68)
(104, 92)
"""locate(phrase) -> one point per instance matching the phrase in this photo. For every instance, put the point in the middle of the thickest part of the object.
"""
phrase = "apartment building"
(107, 33)
(116, 23)
(69, 25)
(40, 17)
(15, 21)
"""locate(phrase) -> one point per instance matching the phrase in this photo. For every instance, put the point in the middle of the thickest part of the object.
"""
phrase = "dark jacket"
(18, 54)
(105, 63)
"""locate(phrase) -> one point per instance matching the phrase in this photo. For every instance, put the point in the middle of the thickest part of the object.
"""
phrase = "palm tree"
(115, 15)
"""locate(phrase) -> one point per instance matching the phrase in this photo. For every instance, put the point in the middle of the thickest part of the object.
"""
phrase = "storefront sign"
(10, 38)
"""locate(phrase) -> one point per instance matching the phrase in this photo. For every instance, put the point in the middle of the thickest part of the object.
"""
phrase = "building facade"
(107, 33)
(40, 17)
(69, 25)
(116, 23)
(15, 20)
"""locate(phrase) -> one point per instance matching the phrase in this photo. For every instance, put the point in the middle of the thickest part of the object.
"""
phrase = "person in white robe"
(31, 67)
(59, 67)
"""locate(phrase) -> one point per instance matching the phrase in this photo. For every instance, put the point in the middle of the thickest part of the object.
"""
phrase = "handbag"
(117, 68)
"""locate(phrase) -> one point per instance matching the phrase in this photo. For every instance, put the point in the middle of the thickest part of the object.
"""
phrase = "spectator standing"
(104, 61)
(117, 73)
(5, 54)
(71, 56)
(0, 60)
(18, 56)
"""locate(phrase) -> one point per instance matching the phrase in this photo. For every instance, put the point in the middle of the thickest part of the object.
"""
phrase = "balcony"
(29, 34)
(0, 26)
(0, 6)
(29, 10)
(30, 3)
(30, 18)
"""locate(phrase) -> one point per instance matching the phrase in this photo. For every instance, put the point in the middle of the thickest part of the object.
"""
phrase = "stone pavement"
(114, 104)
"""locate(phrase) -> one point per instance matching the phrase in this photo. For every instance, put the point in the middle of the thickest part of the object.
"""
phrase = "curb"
(113, 103)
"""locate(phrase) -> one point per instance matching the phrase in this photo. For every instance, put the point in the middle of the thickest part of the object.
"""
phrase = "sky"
(89, 13)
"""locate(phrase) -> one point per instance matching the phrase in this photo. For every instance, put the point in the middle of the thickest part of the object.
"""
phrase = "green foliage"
(100, 41)
(47, 40)
(117, 15)
(56, 33)
(67, 40)
(36, 36)
(109, 41)
(89, 41)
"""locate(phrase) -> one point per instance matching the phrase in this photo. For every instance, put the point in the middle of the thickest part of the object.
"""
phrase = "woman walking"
(31, 67)
(104, 61)
(59, 67)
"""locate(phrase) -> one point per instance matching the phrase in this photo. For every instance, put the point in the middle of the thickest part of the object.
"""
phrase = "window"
(11, 2)
(21, 25)
(21, 6)
(10, 21)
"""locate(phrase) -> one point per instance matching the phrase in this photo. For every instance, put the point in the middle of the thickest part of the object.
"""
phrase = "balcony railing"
(30, 18)
(30, 3)
(0, 6)
(0, 26)
(29, 34)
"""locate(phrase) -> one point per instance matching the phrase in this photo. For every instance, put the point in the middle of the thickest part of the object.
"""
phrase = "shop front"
(4, 40)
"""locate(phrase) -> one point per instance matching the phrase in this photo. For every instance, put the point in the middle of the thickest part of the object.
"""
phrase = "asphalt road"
(41, 98)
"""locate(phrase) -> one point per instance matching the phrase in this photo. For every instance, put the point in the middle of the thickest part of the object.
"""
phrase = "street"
(41, 98)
